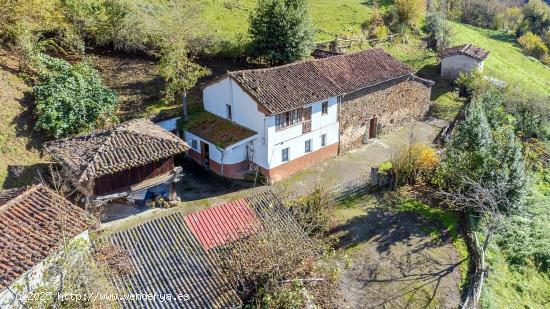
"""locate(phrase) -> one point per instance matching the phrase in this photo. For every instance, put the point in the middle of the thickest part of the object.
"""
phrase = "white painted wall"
(232, 155)
(453, 65)
(169, 124)
(269, 142)
(293, 138)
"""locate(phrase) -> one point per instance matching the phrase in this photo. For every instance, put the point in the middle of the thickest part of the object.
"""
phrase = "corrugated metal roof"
(224, 223)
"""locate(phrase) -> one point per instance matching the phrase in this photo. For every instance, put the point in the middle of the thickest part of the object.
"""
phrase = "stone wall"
(393, 103)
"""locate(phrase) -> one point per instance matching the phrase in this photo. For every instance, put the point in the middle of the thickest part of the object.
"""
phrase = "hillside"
(229, 19)
(19, 147)
(506, 61)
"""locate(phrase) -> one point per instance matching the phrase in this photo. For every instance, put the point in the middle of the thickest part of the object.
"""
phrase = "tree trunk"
(184, 105)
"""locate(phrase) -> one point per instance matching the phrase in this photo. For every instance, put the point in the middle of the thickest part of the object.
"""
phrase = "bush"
(533, 45)
(410, 12)
(415, 162)
(71, 98)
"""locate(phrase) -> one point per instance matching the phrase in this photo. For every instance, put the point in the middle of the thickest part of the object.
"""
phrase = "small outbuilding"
(35, 224)
(461, 59)
(126, 160)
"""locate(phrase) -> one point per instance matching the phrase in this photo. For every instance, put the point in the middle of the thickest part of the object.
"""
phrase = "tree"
(180, 74)
(410, 12)
(509, 19)
(536, 17)
(440, 34)
(71, 98)
(281, 31)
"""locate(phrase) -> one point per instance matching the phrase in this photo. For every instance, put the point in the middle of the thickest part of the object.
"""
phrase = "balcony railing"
(306, 126)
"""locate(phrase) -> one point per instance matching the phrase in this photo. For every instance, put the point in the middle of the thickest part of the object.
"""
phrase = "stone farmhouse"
(128, 160)
(279, 120)
(35, 223)
(461, 59)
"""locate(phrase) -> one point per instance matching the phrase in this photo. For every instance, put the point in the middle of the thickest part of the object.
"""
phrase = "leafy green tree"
(281, 31)
(181, 74)
(536, 17)
(71, 98)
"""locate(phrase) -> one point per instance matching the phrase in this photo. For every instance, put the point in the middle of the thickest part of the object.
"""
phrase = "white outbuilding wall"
(453, 65)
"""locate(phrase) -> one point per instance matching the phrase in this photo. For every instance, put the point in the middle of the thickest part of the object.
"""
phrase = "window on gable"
(308, 146)
(324, 108)
(323, 140)
(284, 155)
(228, 111)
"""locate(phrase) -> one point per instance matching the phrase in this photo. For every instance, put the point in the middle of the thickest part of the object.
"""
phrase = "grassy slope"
(18, 147)
(506, 61)
(229, 19)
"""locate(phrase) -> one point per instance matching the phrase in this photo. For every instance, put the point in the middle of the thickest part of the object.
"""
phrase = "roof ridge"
(19, 197)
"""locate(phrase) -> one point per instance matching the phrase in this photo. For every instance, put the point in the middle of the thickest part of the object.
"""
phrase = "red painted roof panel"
(223, 223)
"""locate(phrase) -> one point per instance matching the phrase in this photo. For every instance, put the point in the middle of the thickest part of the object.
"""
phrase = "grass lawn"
(20, 158)
(229, 19)
(506, 61)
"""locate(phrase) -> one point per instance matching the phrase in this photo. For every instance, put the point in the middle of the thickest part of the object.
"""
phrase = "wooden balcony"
(306, 126)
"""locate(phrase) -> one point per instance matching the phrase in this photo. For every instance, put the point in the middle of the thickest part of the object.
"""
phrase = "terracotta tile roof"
(291, 86)
(179, 254)
(217, 130)
(466, 50)
(224, 223)
(133, 143)
(33, 225)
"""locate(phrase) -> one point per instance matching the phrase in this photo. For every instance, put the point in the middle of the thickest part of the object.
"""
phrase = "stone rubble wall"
(392, 103)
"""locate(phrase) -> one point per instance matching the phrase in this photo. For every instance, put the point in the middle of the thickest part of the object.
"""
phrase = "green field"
(506, 61)
(229, 19)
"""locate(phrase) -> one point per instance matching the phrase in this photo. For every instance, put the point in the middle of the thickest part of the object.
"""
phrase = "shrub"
(410, 12)
(415, 162)
(533, 45)
(71, 98)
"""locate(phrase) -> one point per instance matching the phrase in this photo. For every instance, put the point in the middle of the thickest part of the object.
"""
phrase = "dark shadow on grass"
(24, 175)
(24, 124)
(503, 37)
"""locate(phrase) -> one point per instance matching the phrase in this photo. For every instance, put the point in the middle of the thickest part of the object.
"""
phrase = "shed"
(35, 224)
(461, 59)
(129, 157)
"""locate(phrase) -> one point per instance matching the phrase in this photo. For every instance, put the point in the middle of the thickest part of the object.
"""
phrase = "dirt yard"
(395, 259)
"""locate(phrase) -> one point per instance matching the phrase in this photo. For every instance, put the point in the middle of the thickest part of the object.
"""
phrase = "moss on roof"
(219, 131)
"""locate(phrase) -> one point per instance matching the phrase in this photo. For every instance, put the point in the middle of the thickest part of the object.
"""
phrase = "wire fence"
(353, 188)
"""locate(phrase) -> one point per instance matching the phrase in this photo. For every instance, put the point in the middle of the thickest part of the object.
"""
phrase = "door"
(205, 154)
(373, 127)
(306, 119)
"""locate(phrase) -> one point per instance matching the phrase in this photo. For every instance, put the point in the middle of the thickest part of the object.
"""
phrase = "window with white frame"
(228, 112)
(287, 119)
(284, 155)
(323, 140)
(194, 144)
(307, 146)
(324, 108)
